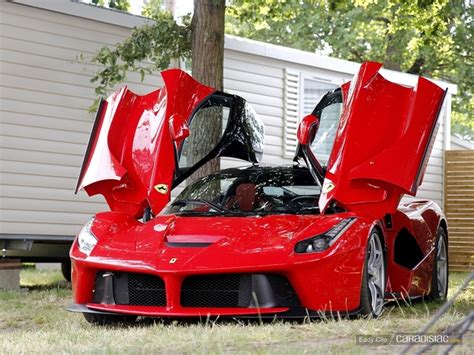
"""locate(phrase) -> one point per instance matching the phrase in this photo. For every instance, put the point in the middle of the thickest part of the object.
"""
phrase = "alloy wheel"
(376, 274)
(441, 267)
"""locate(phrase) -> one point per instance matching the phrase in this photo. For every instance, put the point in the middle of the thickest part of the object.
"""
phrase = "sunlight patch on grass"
(33, 277)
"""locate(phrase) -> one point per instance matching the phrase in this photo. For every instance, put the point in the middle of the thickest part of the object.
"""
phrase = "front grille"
(129, 289)
(212, 291)
(238, 290)
(146, 290)
(219, 291)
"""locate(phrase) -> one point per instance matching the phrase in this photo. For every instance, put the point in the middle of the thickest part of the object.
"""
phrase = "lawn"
(34, 320)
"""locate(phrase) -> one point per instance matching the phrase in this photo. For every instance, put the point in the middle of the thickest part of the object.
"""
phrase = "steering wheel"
(269, 203)
(299, 199)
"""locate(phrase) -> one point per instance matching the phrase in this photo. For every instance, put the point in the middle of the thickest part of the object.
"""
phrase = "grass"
(33, 320)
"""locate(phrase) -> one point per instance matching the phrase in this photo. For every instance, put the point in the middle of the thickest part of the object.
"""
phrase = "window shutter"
(291, 111)
(313, 89)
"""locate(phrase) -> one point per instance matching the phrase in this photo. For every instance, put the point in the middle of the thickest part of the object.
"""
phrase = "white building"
(46, 92)
(459, 144)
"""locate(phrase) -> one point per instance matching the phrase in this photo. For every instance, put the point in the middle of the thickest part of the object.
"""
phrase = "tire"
(66, 269)
(374, 277)
(109, 319)
(440, 273)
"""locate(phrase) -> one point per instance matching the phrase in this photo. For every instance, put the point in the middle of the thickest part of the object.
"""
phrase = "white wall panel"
(45, 94)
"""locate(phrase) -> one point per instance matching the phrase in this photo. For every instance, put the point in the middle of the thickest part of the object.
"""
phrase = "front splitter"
(177, 312)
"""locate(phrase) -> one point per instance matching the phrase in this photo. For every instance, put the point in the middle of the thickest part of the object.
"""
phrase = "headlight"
(86, 240)
(323, 241)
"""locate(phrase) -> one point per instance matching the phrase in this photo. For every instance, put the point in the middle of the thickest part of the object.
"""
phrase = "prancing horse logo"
(161, 188)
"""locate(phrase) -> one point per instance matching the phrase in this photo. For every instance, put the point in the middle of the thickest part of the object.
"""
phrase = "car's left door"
(143, 146)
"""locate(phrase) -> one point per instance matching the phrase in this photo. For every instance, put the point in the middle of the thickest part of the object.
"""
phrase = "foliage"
(427, 37)
(150, 47)
(122, 5)
(153, 8)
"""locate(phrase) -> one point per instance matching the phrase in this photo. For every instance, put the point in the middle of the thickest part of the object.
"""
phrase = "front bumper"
(321, 283)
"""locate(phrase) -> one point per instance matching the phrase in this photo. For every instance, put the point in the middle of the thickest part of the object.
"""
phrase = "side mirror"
(307, 129)
(179, 129)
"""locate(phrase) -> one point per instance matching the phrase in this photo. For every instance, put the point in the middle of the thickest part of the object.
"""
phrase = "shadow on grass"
(419, 306)
(144, 322)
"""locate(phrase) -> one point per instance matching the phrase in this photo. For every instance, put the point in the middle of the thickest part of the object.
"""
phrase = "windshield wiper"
(202, 202)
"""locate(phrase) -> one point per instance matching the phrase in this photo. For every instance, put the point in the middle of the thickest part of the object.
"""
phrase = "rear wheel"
(108, 319)
(373, 280)
(439, 279)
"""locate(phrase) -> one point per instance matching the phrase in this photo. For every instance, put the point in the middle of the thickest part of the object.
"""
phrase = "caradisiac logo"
(407, 338)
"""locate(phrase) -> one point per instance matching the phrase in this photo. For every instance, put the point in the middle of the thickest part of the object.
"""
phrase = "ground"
(34, 320)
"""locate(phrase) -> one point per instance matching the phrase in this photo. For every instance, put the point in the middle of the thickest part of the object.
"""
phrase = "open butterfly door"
(383, 142)
(142, 146)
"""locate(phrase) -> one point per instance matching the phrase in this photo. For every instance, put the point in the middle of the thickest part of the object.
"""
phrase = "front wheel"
(439, 278)
(373, 279)
(66, 270)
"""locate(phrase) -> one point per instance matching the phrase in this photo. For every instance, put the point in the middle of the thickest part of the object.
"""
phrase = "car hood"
(189, 239)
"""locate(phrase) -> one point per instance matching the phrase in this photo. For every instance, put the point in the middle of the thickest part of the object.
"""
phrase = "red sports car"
(327, 234)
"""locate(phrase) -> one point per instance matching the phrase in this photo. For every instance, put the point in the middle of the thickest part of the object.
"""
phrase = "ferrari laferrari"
(336, 232)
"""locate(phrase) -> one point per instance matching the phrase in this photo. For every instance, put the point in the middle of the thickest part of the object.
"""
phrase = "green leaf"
(157, 43)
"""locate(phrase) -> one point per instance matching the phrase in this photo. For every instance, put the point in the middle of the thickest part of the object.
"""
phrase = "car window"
(206, 129)
(329, 117)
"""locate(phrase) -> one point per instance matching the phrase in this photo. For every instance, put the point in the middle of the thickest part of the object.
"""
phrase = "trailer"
(45, 120)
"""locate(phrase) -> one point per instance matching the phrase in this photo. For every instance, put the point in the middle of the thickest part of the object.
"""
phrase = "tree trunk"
(389, 62)
(208, 67)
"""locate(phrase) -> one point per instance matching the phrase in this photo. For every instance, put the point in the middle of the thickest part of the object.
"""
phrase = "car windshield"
(251, 191)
